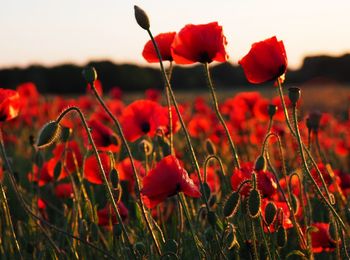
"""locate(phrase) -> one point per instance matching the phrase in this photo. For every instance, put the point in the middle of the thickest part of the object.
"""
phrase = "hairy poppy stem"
(295, 132)
(31, 213)
(219, 116)
(9, 219)
(102, 171)
(296, 225)
(331, 208)
(183, 126)
(206, 162)
(136, 177)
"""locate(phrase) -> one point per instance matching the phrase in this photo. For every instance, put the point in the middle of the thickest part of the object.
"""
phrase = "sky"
(51, 32)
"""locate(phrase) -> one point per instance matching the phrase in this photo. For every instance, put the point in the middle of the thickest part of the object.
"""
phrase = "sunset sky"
(53, 32)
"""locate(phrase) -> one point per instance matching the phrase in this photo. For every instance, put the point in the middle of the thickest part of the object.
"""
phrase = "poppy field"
(248, 177)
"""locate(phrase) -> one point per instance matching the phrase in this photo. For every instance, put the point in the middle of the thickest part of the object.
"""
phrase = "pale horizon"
(50, 33)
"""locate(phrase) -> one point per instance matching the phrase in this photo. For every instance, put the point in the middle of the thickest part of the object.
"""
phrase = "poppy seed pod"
(294, 95)
(141, 18)
(90, 74)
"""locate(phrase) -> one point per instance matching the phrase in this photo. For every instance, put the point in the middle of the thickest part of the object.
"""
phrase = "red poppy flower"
(116, 93)
(265, 179)
(153, 94)
(266, 60)
(92, 171)
(321, 239)
(10, 104)
(164, 41)
(107, 216)
(46, 173)
(104, 137)
(199, 43)
(167, 179)
(142, 117)
(126, 173)
(64, 190)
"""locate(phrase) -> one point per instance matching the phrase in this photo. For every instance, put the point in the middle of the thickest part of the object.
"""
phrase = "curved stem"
(319, 192)
(136, 177)
(219, 116)
(31, 213)
(102, 171)
(187, 136)
(206, 162)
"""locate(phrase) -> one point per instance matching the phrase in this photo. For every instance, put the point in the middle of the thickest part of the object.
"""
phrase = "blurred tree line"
(67, 78)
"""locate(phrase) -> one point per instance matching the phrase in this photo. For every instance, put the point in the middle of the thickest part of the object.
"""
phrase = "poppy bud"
(271, 110)
(145, 147)
(171, 246)
(210, 147)
(294, 95)
(231, 204)
(57, 170)
(281, 236)
(254, 202)
(48, 134)
(332, 231)
(141, 18)
(260, 163)
(313, 121)
(270, 212)
(295, 203)
(90, 74)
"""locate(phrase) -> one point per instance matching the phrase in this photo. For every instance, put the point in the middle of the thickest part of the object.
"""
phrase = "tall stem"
(183, 126)
(136, 177)
(102, 171)
(219, 116)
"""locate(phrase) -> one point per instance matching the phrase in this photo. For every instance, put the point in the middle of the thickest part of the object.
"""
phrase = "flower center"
(145, 127)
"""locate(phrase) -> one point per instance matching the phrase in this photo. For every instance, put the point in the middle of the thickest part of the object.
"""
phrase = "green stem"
(136, 177)
(102, 171)
(331, 208)
(31, 213)
(264, 237)
(8, 216)
(187, 136)
(219, 116)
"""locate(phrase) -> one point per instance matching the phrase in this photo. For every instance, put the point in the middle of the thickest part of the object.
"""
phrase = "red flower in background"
(92, 171)
(164, 41)
(153, 94)
(212, 180)
(167, 179)
(321, 239)
(104, 137)
(142, 117)
(126, 173)
(46, 173)
(199, 43)
(73, 157)
(265, 179)
(10, 104)
(64, 190)
(266, 60)
(286, 221)
(107, 215)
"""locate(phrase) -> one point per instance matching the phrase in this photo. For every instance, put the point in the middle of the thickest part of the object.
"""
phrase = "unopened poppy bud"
(90, 74)
(140, 248)
(313, 121)
(48, 134)
(254, 202)
(295, 203)
(260, 163)
(141, 18)
(57, 170)
(294, 95)
(145, 147)
(281, 236)
(271, 110)
(171, 246)
(114, 177)
(270, 212)
(210, 147)
(332, 231)
(231, 204)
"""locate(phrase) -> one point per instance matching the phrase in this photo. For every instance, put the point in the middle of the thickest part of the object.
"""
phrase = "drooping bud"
(254, 202)
(210, 147)
(260, 163)
(48, 134)
(90, 74)
(270, 212)
(294, 95)
(281, 236)
(231, 205)
(145, 147)
(271, 110)
(114, 177)
(141, 18)
(313, 121)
